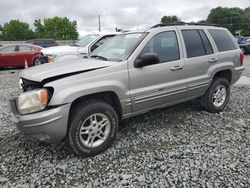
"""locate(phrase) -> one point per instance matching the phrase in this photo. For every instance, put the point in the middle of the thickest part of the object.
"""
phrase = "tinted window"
(193, 42)
(206, 43)
(165, 45)
(9, 49)
(222, 40)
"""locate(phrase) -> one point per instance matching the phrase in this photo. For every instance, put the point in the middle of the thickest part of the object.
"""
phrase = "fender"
(219, 67)
(68, 89)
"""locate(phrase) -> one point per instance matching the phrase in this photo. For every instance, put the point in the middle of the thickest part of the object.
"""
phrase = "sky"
(124, 14)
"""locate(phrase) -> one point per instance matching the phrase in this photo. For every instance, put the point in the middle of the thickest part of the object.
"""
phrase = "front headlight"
(32, 101)
(51, 58)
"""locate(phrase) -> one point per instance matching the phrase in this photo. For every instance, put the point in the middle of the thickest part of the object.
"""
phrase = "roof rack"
(184, 23)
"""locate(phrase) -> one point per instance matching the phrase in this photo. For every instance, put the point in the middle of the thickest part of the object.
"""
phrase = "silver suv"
(82, 102)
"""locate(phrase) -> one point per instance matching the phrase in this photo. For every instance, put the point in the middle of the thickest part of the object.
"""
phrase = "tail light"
(241, 58)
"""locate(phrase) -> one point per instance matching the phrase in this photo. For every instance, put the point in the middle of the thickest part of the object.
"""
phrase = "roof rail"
(184, 23)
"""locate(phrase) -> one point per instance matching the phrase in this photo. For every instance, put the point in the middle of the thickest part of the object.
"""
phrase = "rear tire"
(217, 96)
(93, 127)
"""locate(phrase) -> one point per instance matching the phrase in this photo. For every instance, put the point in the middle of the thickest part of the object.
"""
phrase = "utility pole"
(99, 22)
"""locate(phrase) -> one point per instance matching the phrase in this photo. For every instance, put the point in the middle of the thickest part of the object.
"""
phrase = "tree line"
(236, 20)
(55, 28)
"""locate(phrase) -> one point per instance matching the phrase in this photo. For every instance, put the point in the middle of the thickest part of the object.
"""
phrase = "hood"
(54, 71)
(60, 49)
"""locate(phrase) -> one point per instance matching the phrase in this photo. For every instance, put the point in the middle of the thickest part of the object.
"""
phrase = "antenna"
(99, 22)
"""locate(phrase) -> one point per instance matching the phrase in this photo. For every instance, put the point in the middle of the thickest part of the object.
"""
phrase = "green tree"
(170, 19)
(17, 30)
(231, 18)
(1, 32)
(39, 28)
(246, 22)
(56, 28)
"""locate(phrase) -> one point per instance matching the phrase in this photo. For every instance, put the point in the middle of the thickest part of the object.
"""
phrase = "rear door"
(160, 84)
(199, 57)
(7, 56)
(227, 49)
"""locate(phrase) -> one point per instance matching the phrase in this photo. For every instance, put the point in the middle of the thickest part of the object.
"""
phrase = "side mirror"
(146, 60)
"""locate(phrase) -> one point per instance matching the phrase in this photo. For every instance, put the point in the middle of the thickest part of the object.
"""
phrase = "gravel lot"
(180, 146)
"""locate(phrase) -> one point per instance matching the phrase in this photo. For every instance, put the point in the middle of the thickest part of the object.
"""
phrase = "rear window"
(222, 40)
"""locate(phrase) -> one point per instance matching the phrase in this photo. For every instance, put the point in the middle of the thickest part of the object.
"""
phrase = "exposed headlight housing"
(32, 101)
(21, 83)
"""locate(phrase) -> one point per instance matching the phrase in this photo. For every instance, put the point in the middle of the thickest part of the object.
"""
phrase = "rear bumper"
(48, 126)
(236, 74)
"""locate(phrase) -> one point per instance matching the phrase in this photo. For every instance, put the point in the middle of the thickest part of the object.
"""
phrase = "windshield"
(86, 40)
(118, 48)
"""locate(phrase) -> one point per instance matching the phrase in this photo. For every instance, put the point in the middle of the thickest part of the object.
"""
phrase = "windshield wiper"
(100, 57)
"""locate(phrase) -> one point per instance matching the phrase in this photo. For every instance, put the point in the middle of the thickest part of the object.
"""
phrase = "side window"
(193, 42)
(222, 40)
(206, 43)
(24, 49)
(165, 45)
(9, 49)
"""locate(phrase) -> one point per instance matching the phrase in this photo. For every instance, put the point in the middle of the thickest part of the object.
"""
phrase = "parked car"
(244, 44)
(82, 48)
(45, 43)
(82, 102)
(15, 55)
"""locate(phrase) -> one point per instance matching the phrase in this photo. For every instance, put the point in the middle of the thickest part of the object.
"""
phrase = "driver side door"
(160, 84)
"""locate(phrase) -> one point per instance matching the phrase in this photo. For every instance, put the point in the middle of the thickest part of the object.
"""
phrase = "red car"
(15, 55)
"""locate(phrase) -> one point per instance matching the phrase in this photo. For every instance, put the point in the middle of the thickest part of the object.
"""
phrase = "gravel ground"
(180, 146)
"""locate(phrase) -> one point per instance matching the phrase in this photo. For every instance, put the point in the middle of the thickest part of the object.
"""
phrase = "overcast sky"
(125, 14)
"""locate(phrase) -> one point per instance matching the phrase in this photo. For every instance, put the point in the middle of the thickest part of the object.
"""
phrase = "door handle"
(213, 60)
(177, 67)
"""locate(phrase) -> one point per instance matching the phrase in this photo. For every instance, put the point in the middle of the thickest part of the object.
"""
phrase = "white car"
(82, 48)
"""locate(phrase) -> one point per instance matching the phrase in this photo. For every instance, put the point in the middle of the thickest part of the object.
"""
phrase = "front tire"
(217, 96)
(93, 127)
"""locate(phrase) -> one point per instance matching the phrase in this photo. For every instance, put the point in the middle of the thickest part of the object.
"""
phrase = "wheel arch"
(109, 97)
(227, 74)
